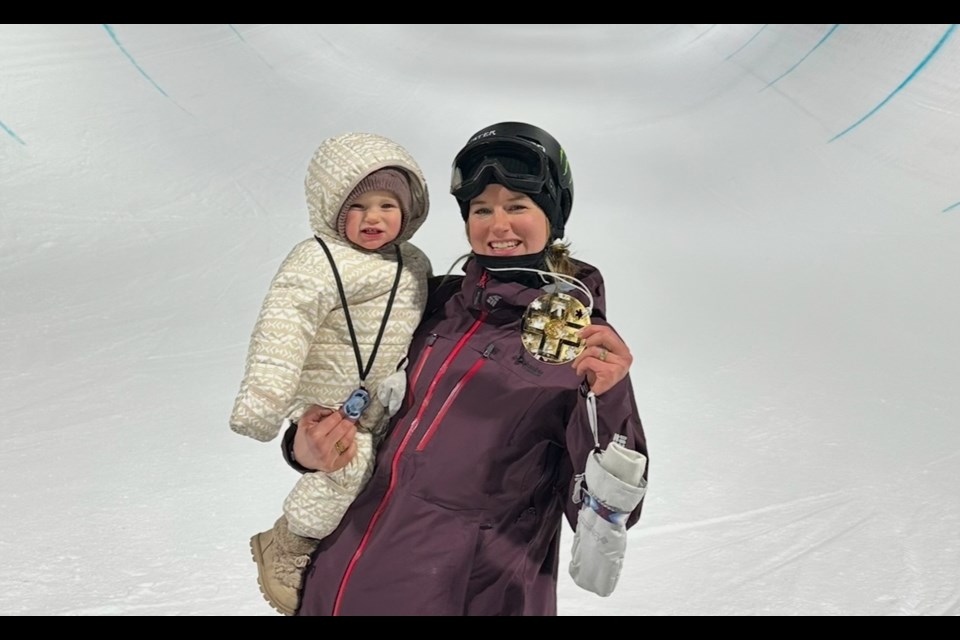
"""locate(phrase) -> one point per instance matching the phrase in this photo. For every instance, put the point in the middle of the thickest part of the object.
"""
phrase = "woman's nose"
(500, 219)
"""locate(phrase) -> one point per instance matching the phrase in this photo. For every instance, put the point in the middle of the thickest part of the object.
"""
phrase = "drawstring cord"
(592, 419)
(570, 280)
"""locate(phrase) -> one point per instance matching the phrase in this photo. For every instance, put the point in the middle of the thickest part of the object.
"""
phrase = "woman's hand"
(325, 440)
(605, 359)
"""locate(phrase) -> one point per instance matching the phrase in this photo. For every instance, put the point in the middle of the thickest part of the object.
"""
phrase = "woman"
(463, 513)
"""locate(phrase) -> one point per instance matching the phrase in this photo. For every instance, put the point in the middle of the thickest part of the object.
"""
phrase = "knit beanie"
(393, 180)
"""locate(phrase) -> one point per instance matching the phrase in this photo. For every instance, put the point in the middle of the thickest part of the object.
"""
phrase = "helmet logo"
(480, 136)
(493, 132)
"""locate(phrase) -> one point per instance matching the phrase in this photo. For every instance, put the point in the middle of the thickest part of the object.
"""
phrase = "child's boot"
(281, 557)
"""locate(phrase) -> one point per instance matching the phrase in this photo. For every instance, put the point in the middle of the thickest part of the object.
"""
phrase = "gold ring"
(603, 354)
(338, 447)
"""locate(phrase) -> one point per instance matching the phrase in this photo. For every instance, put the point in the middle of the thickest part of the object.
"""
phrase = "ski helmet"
(521, 157)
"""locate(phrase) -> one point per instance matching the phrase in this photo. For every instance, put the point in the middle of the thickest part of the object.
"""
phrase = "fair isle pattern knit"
(300, 352)
(318, 501)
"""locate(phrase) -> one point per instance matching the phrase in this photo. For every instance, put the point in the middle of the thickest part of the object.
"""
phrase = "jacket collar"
(507, 301)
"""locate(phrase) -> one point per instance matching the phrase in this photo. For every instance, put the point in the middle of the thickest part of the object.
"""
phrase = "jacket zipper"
(453, 396)
(418, 368)
(406, 438)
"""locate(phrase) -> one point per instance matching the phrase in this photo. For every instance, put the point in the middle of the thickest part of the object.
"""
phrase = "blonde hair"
(558, 258)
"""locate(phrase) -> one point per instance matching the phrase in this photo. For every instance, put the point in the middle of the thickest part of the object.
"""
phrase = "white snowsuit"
(301, 353)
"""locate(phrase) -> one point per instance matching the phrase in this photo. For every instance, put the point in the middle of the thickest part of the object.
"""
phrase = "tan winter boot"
(281, 558)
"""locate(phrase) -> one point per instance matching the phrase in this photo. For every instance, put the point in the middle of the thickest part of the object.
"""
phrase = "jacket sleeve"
(617, 418)
(294, 307)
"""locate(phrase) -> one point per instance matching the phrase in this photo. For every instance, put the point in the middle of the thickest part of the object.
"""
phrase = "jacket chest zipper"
(418, 368)
(428, 434)
(338, 601)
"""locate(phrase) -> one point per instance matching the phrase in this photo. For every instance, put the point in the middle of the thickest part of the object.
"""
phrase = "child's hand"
(325, 440)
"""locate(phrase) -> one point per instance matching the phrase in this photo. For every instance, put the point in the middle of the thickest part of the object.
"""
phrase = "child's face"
(373, 219)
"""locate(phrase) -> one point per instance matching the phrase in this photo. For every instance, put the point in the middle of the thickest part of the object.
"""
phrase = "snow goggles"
(513, 164)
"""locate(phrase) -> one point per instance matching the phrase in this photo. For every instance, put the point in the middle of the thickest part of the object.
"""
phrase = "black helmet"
(521, 157)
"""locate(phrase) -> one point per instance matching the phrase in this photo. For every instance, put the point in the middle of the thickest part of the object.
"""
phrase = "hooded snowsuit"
(301, 351)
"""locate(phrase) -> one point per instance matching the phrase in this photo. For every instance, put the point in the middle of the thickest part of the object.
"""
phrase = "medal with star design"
(551, 325)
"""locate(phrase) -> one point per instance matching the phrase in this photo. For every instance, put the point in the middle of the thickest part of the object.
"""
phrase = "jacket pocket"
(450, 399)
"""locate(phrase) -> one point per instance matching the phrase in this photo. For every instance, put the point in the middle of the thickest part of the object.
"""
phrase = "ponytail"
(558, 258)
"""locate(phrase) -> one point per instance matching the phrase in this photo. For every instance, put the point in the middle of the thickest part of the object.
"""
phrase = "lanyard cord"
(363, 371)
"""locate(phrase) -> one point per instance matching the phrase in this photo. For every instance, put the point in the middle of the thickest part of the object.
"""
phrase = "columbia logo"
(493, 300)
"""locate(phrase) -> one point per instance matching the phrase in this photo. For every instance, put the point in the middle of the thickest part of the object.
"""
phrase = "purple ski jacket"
(471, 485)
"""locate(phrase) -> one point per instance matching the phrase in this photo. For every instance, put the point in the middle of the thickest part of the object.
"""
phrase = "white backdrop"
(776, 209)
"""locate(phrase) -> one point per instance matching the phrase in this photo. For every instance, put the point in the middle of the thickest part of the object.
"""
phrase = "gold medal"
(550, 328)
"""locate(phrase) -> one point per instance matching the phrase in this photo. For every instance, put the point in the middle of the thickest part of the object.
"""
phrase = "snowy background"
(776, 209)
